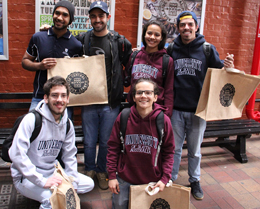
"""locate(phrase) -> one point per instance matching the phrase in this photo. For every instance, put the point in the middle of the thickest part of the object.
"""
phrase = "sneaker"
(196, 190)
(102, 180)
(90, 173)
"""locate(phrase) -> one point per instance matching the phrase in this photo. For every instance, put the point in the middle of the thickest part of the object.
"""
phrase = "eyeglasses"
(146, 92)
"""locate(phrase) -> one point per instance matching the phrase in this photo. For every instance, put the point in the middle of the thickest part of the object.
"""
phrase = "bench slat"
(15, 105)
(230, 122)
(227, 133)
(20, 95)
(234, 127)
(221, 130)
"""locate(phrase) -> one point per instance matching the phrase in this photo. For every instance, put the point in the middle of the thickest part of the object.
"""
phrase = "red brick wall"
(229, 24)
(126, 19)
(21, 24)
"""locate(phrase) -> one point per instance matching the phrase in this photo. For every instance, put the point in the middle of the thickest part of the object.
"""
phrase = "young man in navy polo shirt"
(45, 46)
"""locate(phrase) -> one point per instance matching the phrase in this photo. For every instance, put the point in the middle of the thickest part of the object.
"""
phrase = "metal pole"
(255, 71)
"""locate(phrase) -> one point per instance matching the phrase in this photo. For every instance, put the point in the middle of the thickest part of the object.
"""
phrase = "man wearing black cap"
(45, 46)
(191, 63)
(98, 120)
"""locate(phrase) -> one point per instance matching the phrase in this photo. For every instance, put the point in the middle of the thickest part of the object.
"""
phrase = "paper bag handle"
(149, 189)
(68, 57)
(59, 169)
(233, 70)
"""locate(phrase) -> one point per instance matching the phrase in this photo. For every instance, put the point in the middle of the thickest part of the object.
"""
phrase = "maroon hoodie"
(150, 66)
(136, 165)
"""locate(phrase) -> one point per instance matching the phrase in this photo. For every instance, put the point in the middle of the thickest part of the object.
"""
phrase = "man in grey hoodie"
(33, 163)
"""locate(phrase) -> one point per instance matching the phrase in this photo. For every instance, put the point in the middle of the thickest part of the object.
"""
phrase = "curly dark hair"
(55, 81)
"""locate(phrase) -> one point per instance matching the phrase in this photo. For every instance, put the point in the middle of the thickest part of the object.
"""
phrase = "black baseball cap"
(99, 5)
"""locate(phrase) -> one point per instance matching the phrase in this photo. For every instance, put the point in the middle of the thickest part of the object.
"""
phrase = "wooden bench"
(21, 100)
(15, 102)
(221, 131)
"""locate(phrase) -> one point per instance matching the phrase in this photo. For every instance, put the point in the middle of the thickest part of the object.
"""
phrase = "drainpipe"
(255, 71)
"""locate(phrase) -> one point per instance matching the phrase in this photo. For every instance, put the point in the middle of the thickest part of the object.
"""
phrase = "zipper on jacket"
(112, 74)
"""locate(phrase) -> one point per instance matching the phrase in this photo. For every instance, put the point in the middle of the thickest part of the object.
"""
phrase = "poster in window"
(166, 12)
(81, 23)
(3, 31)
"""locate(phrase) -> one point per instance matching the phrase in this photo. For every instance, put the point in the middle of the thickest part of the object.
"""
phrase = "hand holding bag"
(64, 196)
(225, 93)
(86, 77)
(173, 196)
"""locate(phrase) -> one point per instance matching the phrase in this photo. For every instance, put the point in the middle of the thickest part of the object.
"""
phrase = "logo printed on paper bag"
(160, 203)
(70, 199)
(226, 95)
(78, 82)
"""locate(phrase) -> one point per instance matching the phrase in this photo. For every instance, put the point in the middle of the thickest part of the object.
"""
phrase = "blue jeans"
(35, 102)
(190, 127)
(121, 200)
(97, 123)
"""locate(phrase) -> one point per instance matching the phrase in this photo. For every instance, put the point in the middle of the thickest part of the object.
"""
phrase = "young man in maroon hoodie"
(141, 142)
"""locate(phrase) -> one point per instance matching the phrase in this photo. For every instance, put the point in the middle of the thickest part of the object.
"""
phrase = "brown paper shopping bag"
(224, 94)
(174, 196)
(64, 196)
(86, 78)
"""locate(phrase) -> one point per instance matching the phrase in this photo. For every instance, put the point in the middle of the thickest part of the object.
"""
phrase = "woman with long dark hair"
(148, 63)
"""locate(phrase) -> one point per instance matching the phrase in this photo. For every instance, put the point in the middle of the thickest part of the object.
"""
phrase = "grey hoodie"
(35, 161)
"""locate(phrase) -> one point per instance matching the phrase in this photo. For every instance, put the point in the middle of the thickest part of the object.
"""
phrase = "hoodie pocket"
(157, 172)
(121, 163)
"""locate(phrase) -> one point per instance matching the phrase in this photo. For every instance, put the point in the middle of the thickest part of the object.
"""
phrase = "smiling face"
(144, 96)
(57, 101)
(61, 18)
(153, 37)
(187, 29)
(99, 21)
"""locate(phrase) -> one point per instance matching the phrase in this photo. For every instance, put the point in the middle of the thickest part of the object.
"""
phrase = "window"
(166, 11)
(3, 31)
(81, 23)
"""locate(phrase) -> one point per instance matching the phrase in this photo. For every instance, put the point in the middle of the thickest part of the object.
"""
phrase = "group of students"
(176, 94)
(179, 93)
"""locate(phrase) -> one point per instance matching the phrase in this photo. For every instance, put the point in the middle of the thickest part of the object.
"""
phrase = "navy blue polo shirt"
(45, 44)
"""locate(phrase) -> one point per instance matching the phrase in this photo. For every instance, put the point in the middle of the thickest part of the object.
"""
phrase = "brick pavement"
(226, 183)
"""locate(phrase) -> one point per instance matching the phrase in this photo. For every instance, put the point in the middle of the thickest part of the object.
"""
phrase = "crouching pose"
(140, 160)
(33, 163)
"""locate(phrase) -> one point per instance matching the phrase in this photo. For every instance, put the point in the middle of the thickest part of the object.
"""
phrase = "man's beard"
(51, 108)
(103, 27)
(60, 28)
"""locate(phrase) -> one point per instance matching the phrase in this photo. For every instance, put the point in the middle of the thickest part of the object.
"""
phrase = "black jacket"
(121, 50)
